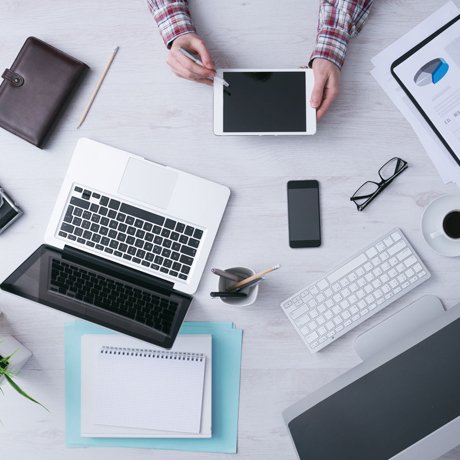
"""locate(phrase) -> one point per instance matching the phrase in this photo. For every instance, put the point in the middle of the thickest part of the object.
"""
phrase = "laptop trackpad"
(148, 182)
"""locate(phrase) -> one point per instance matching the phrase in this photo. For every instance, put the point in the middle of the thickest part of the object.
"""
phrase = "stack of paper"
(226, 366)
(447, 167)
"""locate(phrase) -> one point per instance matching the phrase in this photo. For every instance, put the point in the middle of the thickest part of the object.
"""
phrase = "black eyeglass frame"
(381, 186)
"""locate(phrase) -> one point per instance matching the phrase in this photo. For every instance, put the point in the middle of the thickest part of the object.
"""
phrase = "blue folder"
(226, 365)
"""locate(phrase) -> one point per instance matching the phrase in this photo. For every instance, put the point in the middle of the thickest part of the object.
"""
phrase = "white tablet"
(264, 102)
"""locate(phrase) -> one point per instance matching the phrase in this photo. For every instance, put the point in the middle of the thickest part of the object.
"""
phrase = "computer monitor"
(402, 403)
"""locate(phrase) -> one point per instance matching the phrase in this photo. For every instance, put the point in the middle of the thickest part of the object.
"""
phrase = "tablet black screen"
(264, 102)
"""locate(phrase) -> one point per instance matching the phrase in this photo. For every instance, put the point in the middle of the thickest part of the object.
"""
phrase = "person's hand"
(183, 67)
(327, 85)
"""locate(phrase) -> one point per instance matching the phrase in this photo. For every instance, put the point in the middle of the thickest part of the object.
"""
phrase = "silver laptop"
(137, 213)
(126, 244)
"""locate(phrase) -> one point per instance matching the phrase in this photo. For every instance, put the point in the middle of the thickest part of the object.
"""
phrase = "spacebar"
(347, 268)
(145, 215)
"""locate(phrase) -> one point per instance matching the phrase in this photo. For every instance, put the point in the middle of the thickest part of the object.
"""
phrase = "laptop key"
(157, 249)
(164, 270)
(86, 224)
(136, 260)
(63, 234)
(78, 212)
(132, 250)
(114, 204)
(79, 202)
(131, 231)
(95, 218)
(145, 264)
(103, 211)
(94, 207)
(103, 231)
(155, 267)
(188, 250)
(141, 214)
(180, 227)
(125, 256)
(105, 241)
(185, 269)
(173, 273)
(182, 276)
(156, 230)
(186, 260)
(78, 231)
(165, 232)
(65, 227)
(130, 240)
(189, 230)
(194, 243)
(123, 247)
(198, 234)
(72, 237)
(100, 247)
(112, 234)
(112, 214)
(121, 217)
(175, 256)
(87, 235)
(86, 215)
(104, 201)
(90, 244)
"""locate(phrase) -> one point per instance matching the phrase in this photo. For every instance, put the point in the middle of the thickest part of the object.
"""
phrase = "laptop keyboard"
(94, 289)
(137, 236)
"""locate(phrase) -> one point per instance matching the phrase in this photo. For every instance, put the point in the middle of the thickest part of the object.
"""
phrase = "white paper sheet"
(441, 158)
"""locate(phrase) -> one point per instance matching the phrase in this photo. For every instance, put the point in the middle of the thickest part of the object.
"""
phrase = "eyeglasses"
(369, 190)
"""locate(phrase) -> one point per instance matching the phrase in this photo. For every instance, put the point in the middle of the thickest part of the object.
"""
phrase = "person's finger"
(204, 81)
(318, 89)
(202, 50)
(177, 65)
(329, 96)
(190, 68)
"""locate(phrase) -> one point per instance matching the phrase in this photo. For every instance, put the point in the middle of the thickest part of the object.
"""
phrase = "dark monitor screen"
(265, 102)
(102, 292)
(390, 408)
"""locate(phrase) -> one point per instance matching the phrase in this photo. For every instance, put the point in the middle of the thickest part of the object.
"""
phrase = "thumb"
(317, 93)
(202, 50)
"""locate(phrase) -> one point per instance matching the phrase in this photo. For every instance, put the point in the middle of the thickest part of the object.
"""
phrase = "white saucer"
(432, 221)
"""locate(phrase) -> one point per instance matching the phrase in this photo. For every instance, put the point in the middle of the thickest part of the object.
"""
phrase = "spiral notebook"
(131, 389)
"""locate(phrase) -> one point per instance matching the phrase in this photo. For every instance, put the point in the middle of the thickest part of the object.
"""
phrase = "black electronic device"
(304, 214)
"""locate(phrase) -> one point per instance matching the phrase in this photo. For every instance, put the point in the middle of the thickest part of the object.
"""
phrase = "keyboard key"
(396, 236)
(171, 224)
(141, 214)
(396, 248)
(347, 268)
(79, 202)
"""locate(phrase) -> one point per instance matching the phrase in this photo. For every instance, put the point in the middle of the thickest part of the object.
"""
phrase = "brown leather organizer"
(37, 89)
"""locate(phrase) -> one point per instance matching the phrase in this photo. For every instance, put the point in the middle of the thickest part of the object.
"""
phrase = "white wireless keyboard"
(356, 290)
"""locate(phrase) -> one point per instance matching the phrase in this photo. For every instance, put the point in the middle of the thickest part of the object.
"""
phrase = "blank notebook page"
(150, 389)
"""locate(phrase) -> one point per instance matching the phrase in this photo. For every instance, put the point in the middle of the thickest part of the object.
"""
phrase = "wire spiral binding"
(158, 354)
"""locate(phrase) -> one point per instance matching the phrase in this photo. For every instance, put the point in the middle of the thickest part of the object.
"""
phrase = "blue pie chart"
(432, 72)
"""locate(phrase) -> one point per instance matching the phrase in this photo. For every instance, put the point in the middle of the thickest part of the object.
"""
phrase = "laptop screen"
(104, 293)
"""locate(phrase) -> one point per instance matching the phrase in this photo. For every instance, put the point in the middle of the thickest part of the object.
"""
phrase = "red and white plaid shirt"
(338, 21)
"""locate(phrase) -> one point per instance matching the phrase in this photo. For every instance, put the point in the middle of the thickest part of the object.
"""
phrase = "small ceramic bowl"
(224, 283)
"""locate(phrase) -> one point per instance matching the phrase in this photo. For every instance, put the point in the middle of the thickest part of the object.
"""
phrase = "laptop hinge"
(118, 269)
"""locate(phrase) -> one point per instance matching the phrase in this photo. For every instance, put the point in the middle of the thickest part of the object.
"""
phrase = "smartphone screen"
(303, 213)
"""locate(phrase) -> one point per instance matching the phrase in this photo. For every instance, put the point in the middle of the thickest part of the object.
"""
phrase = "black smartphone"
(303, 214)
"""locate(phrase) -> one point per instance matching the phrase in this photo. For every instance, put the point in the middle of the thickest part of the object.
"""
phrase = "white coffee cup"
(450, 226)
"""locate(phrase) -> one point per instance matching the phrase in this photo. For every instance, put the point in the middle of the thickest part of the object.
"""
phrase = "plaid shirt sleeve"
(173, 18)
(338, 21)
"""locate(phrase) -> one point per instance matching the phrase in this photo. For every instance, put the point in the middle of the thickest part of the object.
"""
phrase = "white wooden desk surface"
(143, 108)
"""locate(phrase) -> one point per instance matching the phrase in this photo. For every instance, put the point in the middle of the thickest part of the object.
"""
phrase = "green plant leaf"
(20, 391)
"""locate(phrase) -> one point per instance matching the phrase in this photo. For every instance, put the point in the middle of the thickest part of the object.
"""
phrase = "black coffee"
(451, 224)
